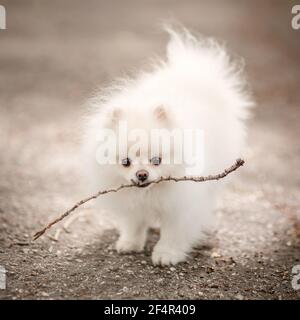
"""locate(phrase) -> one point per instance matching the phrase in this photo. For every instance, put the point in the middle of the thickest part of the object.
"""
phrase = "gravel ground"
(52, 56)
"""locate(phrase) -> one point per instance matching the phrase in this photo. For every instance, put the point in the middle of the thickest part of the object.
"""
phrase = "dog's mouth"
(141, 184)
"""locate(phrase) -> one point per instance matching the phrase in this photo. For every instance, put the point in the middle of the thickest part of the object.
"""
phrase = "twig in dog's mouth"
(141, 185)
(238, 163)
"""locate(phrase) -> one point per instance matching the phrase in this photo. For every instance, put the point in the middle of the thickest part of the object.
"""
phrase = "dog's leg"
(133, 233)
(173, 245)
(185, 219)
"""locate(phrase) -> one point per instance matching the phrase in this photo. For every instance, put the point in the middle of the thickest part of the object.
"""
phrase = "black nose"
(142, 175)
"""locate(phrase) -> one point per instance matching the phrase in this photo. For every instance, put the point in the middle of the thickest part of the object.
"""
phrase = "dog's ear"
(160, 113)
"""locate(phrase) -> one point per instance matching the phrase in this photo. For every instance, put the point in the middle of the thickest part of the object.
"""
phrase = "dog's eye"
(126, 162)
(156, 161)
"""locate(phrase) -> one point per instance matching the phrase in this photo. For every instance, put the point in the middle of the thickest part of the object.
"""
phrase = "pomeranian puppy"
(198, 87)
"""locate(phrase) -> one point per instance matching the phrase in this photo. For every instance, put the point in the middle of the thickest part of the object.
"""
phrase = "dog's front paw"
(127, 246)
(166, 256)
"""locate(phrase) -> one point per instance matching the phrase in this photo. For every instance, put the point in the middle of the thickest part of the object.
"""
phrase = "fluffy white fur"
(197, 87)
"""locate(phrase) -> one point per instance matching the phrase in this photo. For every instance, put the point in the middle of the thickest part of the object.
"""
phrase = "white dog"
(198, 87)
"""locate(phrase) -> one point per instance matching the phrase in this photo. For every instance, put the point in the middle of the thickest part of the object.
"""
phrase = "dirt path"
(52, 56)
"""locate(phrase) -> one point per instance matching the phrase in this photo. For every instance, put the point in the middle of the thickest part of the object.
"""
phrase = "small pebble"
(215, 255)
(44, 294)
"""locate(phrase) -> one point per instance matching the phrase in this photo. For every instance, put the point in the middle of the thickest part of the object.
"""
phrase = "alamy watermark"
(2, 18)
(176, 146)
(296, 277)
(296, 18)
(2, 278)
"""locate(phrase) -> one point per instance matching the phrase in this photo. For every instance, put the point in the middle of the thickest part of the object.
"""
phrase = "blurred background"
(53, 56)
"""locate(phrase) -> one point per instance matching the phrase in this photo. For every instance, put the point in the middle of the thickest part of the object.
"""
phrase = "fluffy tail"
(208, 59)
(184, 47)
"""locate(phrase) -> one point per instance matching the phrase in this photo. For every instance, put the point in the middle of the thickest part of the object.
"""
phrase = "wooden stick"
(238, 163)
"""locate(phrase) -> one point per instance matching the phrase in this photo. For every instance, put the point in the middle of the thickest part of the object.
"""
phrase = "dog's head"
(142, 153)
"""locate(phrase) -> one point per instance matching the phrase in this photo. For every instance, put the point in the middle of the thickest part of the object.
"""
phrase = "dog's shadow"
(105, 247)
(208, 272)
(112, 273)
